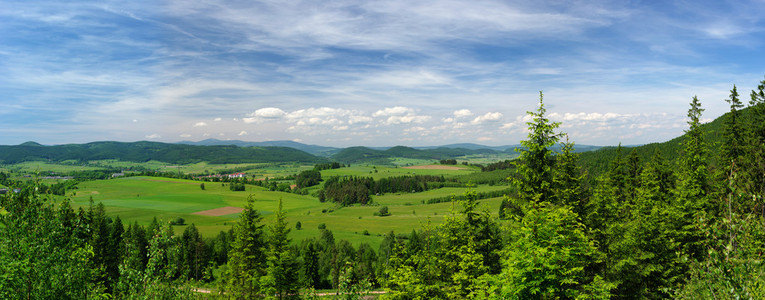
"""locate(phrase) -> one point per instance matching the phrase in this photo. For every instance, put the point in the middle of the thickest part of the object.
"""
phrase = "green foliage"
(445, 262)
(41, 254)
(383, 212)
(535, 172)
(247, 256)
(547, 256)
(732, 267)
(281, 274)
(568, 179)
(308, 178)
(237, 186)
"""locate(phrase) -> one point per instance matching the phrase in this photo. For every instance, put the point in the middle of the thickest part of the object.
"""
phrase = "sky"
(370, 73)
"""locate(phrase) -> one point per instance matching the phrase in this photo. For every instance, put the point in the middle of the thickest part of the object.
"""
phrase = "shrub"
(383, 212)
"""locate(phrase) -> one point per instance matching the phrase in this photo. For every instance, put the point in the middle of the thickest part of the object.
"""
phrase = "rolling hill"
(146, 151)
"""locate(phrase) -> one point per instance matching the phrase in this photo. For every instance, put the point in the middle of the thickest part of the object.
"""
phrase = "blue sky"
(373, 73)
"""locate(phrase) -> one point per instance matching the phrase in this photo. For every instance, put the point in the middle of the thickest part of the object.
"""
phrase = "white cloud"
(242, 133)
(462, 113)
(519, 123)
(185, 135)
(317, 112)
(268, 113)
(218, 119)
(357, 119)
(392, 120)
(393, 111)
(135, 121)
(153, 136)
(200, 124)
(488, 117)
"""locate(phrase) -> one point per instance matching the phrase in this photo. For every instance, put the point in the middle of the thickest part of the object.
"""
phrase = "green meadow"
(140, 199)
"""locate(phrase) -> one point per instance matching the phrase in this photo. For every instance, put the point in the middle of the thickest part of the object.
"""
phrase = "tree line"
(352, 189)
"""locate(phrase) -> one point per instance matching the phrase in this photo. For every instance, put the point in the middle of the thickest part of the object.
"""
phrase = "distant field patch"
(219, 211)
(170, 181)
(434, 167)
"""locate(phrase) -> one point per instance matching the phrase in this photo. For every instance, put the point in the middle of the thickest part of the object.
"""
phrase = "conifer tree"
(281, 278)
(692, 195)
(632, 181)
(311, 276)
(756, 144)
(568, 179)
(642, 257)
(733, 147)
(536, 169)
(247, 255)
(115, 250)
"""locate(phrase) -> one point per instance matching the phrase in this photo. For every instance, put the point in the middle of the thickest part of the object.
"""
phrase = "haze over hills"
(233, 151)
(329, 151)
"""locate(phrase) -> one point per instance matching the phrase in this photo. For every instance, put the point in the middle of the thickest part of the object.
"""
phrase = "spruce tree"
(281, 278)
(568, 179)
(692, 200)
(536, 169)
(247, 256)
(733, 148)
(756, 143)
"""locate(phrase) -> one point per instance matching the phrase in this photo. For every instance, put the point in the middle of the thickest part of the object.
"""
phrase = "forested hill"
(145, 151)
(364, 154)
(597, 161)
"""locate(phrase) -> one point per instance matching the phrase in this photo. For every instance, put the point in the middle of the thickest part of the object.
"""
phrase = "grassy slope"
(140, 199)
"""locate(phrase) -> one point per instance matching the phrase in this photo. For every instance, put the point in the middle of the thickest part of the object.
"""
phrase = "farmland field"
(140, 199)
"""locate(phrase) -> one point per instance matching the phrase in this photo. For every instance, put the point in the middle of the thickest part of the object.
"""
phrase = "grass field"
(256, 170)
(139, 199)
(383, 171)
(44, 168)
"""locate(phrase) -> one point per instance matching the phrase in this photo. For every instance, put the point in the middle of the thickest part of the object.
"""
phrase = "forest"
(684, 225)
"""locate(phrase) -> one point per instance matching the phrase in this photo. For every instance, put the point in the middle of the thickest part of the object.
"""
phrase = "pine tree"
(547, 256)
(642, 256)
(115, 250)
(692, 201)
(247, 256)
(537, 162)
(733, 149)
(756, 143)
(311, 276)
(281, 278)
(568, 179)
(632, 182)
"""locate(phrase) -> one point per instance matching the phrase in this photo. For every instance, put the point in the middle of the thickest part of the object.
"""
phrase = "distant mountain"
(508, 148)
(370, 155)
(145, 151)
(312, 149)
(470, 146)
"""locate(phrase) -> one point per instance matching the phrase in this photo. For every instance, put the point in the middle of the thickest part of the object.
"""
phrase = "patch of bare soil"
(222, 211)
(434, 167)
